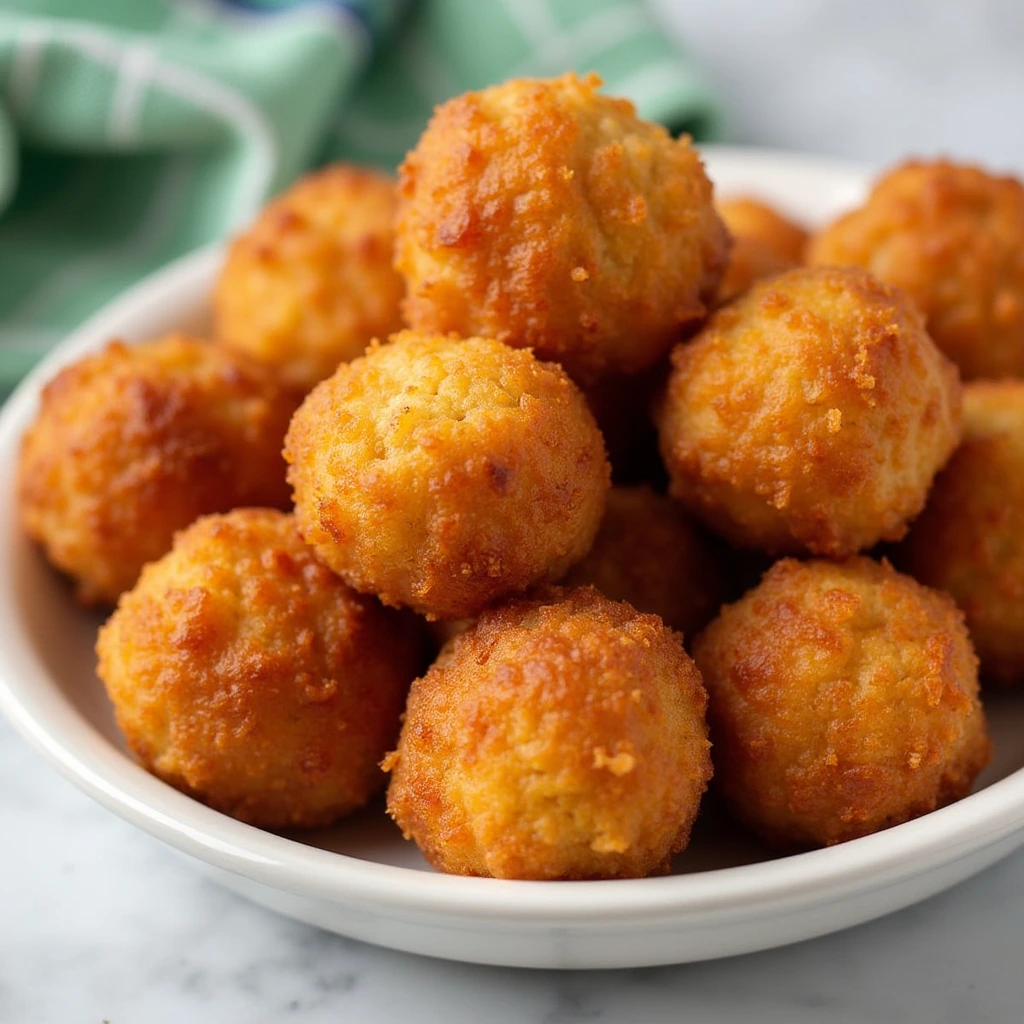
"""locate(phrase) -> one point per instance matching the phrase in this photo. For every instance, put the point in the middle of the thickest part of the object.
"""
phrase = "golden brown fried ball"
(543, 214)
(310, 284)
(951, 236)
(246, 674)
(970, 538)
(810, 415)
(650, 554)
(746, 217)
(764, 243)
(561, 737)
(843, 700)
(134, 442)
(443, 474)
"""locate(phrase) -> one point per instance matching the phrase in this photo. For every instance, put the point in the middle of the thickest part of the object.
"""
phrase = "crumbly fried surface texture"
(543, 214)
(134, 442)
(248, 675)
(952, 237)
(970, 538)
(843, 700)
(650, 553)
(764, 243)
(310, 283)
(443, 474)
(811, 414)
(559, 738)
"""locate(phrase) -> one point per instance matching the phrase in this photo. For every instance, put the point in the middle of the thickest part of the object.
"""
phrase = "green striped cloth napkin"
(132, 131)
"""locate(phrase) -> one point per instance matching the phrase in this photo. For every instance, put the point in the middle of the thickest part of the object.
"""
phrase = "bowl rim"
(32, 701)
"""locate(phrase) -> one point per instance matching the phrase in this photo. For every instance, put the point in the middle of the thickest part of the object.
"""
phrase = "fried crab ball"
(310, 284)
(443, 474)
(810, 415)
(649, 553)
(969, 540)
(558, 738)
(543, 214)
(952, 237)
(764, 243)
(134, 442)
(843, 700)
(246, 674)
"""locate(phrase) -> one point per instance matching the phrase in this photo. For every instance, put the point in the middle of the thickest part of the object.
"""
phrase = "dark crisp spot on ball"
(498, 475)
(279, 561)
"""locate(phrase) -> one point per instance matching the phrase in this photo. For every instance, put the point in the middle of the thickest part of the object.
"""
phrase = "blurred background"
(133, 131)
(872, 80)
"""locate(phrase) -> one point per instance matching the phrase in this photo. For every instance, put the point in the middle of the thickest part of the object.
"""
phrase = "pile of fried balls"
(546, 405)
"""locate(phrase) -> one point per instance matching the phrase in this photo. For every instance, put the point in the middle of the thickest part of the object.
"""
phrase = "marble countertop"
(98, 922)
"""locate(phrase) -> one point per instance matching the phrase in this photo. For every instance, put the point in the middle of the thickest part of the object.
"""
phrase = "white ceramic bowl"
(360, 879)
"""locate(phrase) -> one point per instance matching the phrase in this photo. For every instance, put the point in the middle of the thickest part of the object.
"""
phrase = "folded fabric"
(131, 133)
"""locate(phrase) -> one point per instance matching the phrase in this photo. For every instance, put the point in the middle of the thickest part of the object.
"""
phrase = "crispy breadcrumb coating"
(970, 538)
(811, 414)
(951, 236)
(443, 474)
(544, 214)
(560, 737)
(764, 243)
(843, 700)
(310, 283)
(134, 442)
(246, 674)
(651, 554)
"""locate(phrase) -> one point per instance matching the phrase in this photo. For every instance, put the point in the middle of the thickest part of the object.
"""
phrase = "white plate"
(360, 879)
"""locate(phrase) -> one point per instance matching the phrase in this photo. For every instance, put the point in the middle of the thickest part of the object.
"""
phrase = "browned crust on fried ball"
(133, 443)
(764, 243)
(811, 414)
(952, 236)
(543, 214)
(443, 474)
(246, 674)
(561, 737)
(843, 700)
(310, 283)
(970, 538)
(652, 555)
